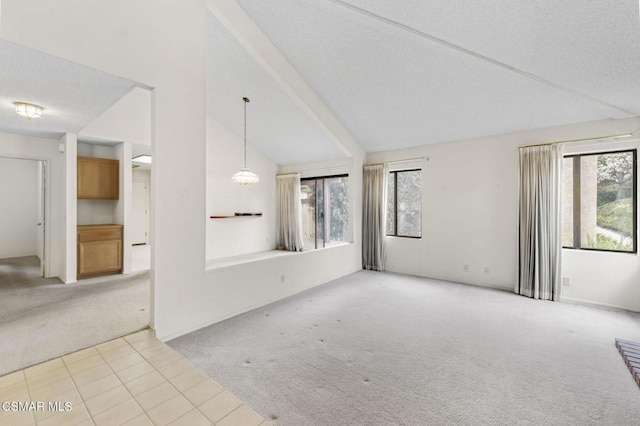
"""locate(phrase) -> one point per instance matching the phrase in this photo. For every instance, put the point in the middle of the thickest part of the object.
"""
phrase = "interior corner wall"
(122, 208)
(18, 146)
(232, 237)
(69, 236)
(470, 215)
(19, 191)
(129, 119)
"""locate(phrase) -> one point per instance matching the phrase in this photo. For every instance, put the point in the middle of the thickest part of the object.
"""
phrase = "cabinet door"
(97, 257)
(98, 178)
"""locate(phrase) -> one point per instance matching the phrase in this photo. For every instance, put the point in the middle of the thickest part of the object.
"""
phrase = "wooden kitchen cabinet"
(98, 178)
(99, 250)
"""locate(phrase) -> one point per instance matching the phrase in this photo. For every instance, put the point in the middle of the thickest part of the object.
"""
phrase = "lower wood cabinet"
(99, 250)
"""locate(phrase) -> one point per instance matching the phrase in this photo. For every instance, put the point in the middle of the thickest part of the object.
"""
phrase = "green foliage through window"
(325, 211)
(404, 204)
(599, 201)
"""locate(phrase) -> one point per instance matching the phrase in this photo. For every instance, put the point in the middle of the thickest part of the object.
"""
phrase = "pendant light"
(245, 176)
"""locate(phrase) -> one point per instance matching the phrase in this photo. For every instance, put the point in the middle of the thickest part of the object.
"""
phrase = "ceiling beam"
(267, 55)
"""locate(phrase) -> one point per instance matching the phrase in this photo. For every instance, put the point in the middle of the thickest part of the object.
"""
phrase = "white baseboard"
(605, 305)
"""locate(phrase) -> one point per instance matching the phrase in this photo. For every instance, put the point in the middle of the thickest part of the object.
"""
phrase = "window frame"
(394, 173)
(577, 231)
(315, 210)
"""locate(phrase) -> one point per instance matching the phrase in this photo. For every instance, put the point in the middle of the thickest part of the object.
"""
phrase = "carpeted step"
(630, 352)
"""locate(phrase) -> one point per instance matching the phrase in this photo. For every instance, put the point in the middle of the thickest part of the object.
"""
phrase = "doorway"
(140, 212)
(140, 238)
(23, 189)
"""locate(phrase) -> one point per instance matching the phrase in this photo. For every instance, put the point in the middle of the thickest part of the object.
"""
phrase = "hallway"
(43, 318)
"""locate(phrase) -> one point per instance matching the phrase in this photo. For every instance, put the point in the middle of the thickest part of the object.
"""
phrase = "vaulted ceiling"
(413, 72)
(394, 74)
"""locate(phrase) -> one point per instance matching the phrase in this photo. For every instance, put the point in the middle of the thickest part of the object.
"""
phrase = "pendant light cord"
(246, 100)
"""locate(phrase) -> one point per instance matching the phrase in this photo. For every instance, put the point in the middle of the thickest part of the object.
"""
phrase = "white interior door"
(140, 213)
(42, 174)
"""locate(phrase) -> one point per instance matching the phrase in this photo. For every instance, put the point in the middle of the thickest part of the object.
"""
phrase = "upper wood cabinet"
(98, 178)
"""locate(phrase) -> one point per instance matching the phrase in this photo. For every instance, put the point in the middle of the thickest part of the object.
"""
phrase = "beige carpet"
(41, 319)
(385, 349)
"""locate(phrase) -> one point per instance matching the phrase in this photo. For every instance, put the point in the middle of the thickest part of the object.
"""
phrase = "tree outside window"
(404, 204)
(599, 201)
(325, 211)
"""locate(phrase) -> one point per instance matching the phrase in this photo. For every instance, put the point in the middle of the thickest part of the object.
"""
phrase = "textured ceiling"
(589, 46)
(72, 95)
(449, 70)
(276, 126)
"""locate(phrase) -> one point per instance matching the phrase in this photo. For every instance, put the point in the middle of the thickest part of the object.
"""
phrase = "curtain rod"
(324, 169)
(602, 138)
(408, 160)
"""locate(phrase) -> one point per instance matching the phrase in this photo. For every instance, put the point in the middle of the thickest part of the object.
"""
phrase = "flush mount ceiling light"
(28, 110)
(146, 159)
(245, 176)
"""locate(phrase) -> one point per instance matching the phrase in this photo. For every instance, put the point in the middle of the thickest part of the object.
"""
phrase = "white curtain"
(374, 216)
(289, 223)
(540, 239)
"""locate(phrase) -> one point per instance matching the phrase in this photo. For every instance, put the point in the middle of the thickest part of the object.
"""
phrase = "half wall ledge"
(259, 256)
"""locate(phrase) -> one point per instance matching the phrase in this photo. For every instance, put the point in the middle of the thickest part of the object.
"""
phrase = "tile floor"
(134, 380)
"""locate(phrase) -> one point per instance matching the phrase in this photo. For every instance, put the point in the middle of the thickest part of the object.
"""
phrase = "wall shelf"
(237, 215)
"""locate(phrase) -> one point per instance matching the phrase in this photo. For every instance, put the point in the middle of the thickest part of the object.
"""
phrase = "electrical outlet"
(485, 270)
(282, 279)
(566, 281)
(465, 268)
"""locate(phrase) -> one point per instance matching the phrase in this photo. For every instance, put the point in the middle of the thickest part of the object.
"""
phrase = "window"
(599, 201)
(404, 204)
(325, 211)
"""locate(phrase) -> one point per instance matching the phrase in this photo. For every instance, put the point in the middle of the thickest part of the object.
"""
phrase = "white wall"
(27, 147)
(95, 150)
(129, 120)
(141, 175)
(240, 288)
(19, 193)
(470, 216)
(232, 237)
(469, 213)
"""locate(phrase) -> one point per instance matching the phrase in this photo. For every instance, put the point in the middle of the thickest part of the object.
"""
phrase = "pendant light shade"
(245, 176)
